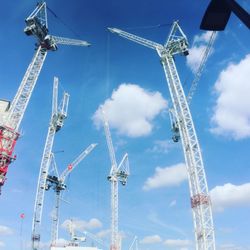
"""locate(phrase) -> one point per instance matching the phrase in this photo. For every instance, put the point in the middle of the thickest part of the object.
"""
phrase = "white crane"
(58, 116)
(200, 201)
(37, 26)
(117, 173)
(74, 240)
(201, 67)
(134, 244)
(59, 185)
(95, 238)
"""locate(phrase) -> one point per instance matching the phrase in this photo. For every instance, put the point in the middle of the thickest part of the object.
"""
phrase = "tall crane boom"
(36, 25)
(200, 201)
(59, 185)
(117, 173)
(134, 244)
(68, 41)
(77, 161)
(198, 74)
(58, 116)
(109, 143)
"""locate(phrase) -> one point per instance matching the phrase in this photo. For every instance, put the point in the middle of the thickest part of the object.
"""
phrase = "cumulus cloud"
(172, 203)
(161, 146)
(131, 110)
(203, 38)
(232, 247)
(151, 239)
(5, 230)
(197, 50)
(230, 195)
(103, 233)
(166, 177)
(61, 242)
(81, 225)
(177, 243)
(231, 115)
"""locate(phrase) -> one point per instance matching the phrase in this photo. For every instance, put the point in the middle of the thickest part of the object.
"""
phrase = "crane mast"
(117, 173)
(59, 185)
(200, 201)
(36, 25)
(58, 116)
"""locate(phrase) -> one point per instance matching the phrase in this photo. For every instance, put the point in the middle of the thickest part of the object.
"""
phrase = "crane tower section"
(200, 201)
(118, 173)
(58, 183)
(59, 114)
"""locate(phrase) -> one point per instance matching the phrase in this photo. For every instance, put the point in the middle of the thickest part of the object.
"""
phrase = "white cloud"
(61, 242)
(161, 146)
(166, 177)
(232, 247)
(5, 230)
(81, 225)
(195, 56)
(230, 195)
(203, 38)
(103, 233)
(177, 243)
(231, 113)
(172, 203)
(196, 51)
(131, 110)
(151, 239)
(2, 244)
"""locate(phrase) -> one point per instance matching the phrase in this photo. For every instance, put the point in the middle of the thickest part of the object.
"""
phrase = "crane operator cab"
(176, 132)
(123, 176)
(184, 47)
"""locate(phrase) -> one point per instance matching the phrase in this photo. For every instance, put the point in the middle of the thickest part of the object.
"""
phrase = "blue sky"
(128, 79)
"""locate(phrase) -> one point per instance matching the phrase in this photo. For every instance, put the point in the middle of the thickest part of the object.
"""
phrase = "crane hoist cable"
(63, 23)
(148, 26)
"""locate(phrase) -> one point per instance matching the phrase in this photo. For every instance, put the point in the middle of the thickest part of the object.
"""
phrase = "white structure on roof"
(74, 248)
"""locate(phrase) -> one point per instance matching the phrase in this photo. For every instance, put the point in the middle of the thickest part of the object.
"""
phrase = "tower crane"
(94, 238)
(36, 25)
(74, 240)
(200, 201)
(134, 244)
(117, 173)
(59, 185)
(58, 115)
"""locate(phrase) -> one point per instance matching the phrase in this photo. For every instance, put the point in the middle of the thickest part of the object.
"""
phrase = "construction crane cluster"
(49, 178)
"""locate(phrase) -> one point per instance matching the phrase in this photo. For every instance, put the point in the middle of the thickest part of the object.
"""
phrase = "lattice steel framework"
(200, 201)
(36, 25)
